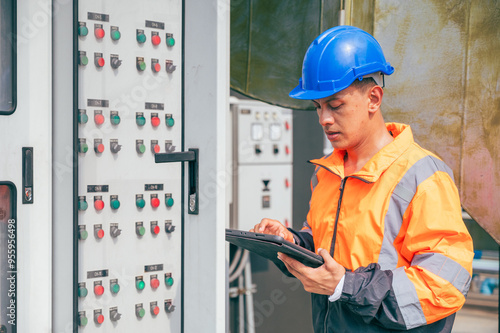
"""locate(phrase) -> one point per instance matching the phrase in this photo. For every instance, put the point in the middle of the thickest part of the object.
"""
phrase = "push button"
(156, 40)
(99, 32)
(98, 289)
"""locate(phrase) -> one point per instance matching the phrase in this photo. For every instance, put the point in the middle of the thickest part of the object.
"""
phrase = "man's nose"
(325, 117)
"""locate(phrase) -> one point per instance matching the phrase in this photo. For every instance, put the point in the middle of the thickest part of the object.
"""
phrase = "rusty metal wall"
(447, 87)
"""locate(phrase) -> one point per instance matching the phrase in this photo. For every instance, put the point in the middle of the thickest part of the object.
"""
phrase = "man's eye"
(334, 107)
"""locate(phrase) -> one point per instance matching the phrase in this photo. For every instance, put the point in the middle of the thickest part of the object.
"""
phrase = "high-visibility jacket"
(397, 228)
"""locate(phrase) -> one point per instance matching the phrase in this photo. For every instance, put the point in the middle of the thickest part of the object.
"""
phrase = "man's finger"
(292, 263)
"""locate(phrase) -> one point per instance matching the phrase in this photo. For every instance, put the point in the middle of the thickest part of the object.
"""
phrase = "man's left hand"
(322, 280)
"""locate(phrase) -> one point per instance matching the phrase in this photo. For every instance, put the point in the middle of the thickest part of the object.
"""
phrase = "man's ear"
(375, 95)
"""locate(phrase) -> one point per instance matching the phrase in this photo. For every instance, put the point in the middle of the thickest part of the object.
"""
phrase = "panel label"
(154, 24)
(153, 268)
(154, 106)
(98, 103)
(97, 188)
(153, 187)
(97, 274)
(98, 17)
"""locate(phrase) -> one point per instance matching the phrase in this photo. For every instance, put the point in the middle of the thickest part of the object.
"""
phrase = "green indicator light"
(115, 288)
(83, 234)
(141, 231)
(169, 281)
(83, 118)
(84, 147)
(140, 203)
(142, 149)
(141, 65)
(141, 38)
(169, 202)
(83, 60)
(82, 205)
(140, 120)
(115, 204)
(170, 41)
(115, 35)
(170, 122)
(141, 312)
(115, 119)
(83, 321)
(82, 292)
(140, 284)
(83, 30)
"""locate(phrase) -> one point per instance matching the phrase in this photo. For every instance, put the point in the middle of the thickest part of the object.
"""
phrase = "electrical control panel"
(129, 229)
(263, 154)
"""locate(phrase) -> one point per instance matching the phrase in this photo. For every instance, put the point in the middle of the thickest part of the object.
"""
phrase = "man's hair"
(364, 84)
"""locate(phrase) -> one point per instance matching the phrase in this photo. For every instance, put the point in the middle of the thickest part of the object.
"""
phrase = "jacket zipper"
(327, 313)
(334, 237)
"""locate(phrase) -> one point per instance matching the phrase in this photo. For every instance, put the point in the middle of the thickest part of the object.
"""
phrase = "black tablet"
(268, 247)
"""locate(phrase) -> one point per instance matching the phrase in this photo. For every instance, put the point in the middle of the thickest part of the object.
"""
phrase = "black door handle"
(190, 156)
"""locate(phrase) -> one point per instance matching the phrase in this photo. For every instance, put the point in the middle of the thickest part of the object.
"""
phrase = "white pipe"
(241, 266)
(241, 305)
(249, 298)
(236, 258)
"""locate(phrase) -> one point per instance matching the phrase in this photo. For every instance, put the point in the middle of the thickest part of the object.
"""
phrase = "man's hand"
(322, 280)
(273, 227)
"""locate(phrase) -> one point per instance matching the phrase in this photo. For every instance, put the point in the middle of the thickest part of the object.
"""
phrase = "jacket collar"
(374, 168)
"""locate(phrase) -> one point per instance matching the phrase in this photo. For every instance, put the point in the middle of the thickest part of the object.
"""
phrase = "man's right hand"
(273, 227)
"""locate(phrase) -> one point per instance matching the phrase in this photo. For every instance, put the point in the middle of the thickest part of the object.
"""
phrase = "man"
(384, 214)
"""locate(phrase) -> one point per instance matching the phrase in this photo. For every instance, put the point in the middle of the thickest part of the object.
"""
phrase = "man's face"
(343, 117)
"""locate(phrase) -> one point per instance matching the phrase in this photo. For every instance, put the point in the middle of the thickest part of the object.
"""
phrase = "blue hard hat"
(335, 59)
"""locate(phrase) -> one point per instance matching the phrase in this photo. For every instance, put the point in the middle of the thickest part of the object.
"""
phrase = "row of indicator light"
(276, 150)
(115, 147)
(115, 119)
(115, 231)
(114, 315)
(116, 35)
(116, 62)
(114, 286)
(114, 202)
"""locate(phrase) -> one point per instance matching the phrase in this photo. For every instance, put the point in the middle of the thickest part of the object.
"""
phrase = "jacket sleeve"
(304, 237)
(434, 266)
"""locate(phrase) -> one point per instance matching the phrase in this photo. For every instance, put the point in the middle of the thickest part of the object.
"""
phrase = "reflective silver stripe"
(407, 298)
(314, 178)
(445, 268)
(308, 230)
(400, 199)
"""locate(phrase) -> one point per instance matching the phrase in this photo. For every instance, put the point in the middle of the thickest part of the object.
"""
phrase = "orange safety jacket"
(396, 226)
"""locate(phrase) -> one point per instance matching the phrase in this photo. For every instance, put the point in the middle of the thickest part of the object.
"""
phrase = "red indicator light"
(157, 67)
(99, 33)
(287, 125)
(155, 283)
(287, 150)
(155, 202)
(155, 121)
(100, 234)
(156, 310)
(98, 290)
(156, 40)
(287, 183)
(99, 204)
(99, 119)
(156, 149)
(99, 319)
(100, 62)
(156, 230)
(99, 148)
